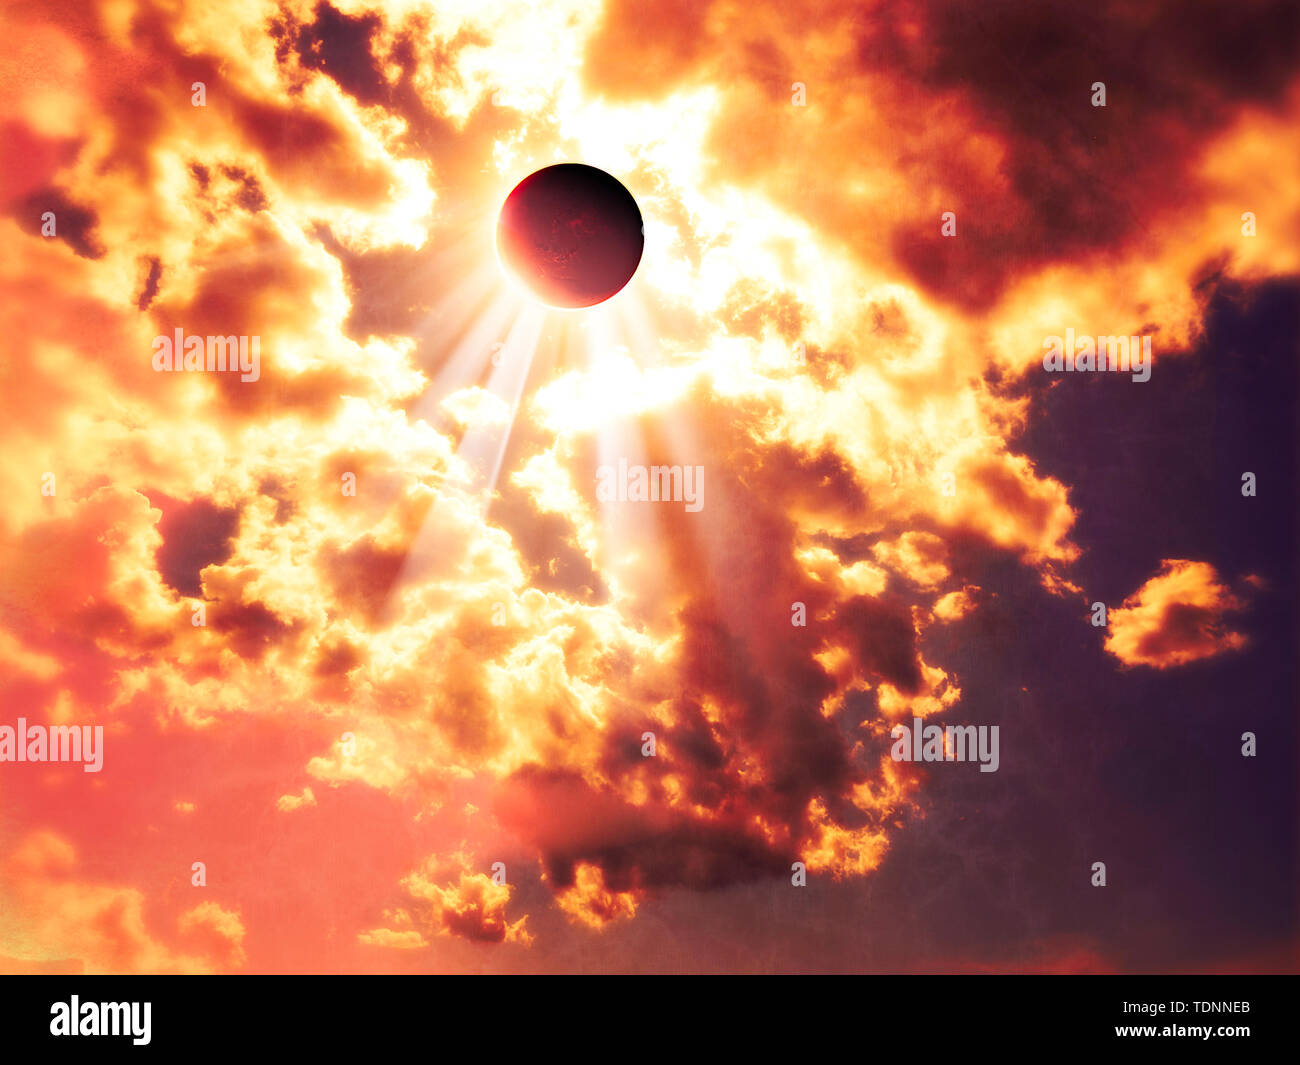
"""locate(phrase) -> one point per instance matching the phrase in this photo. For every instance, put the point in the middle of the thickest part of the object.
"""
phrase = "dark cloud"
(570, 822)
(1082, 177)
(986, 108)
(152, 279)
(362, 574)
(339, 45)
(251, 628)
(73, 224)
(337, 657)
(195, 534)
(286, 507)
(884, 639)
(250, 195)
(546, 541)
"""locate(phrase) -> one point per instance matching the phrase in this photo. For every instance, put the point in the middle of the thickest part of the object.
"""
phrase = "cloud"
(588, 899)
(218, 931)
(955, 605)
(1034, 173)
(1177, 616)
(290, 803)
(918, 556)
(54, 915)
(471, 906)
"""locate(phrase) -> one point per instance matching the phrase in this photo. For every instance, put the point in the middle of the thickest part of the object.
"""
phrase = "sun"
(571, 235)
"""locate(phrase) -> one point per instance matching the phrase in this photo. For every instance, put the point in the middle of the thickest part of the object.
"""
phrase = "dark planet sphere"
(571, 234)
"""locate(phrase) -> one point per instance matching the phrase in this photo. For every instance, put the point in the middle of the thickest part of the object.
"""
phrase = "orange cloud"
(588, 899)
(1177, 616)
(472, 906)
(52, 915)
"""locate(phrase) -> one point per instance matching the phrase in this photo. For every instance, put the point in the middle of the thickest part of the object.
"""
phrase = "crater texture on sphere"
(571, 234)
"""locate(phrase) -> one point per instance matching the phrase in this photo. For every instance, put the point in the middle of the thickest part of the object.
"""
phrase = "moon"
(570, 234)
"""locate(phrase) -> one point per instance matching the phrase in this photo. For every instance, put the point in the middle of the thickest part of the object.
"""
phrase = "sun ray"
(482, 447)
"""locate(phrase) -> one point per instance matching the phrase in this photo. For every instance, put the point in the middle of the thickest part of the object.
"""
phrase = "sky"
(385, 685)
